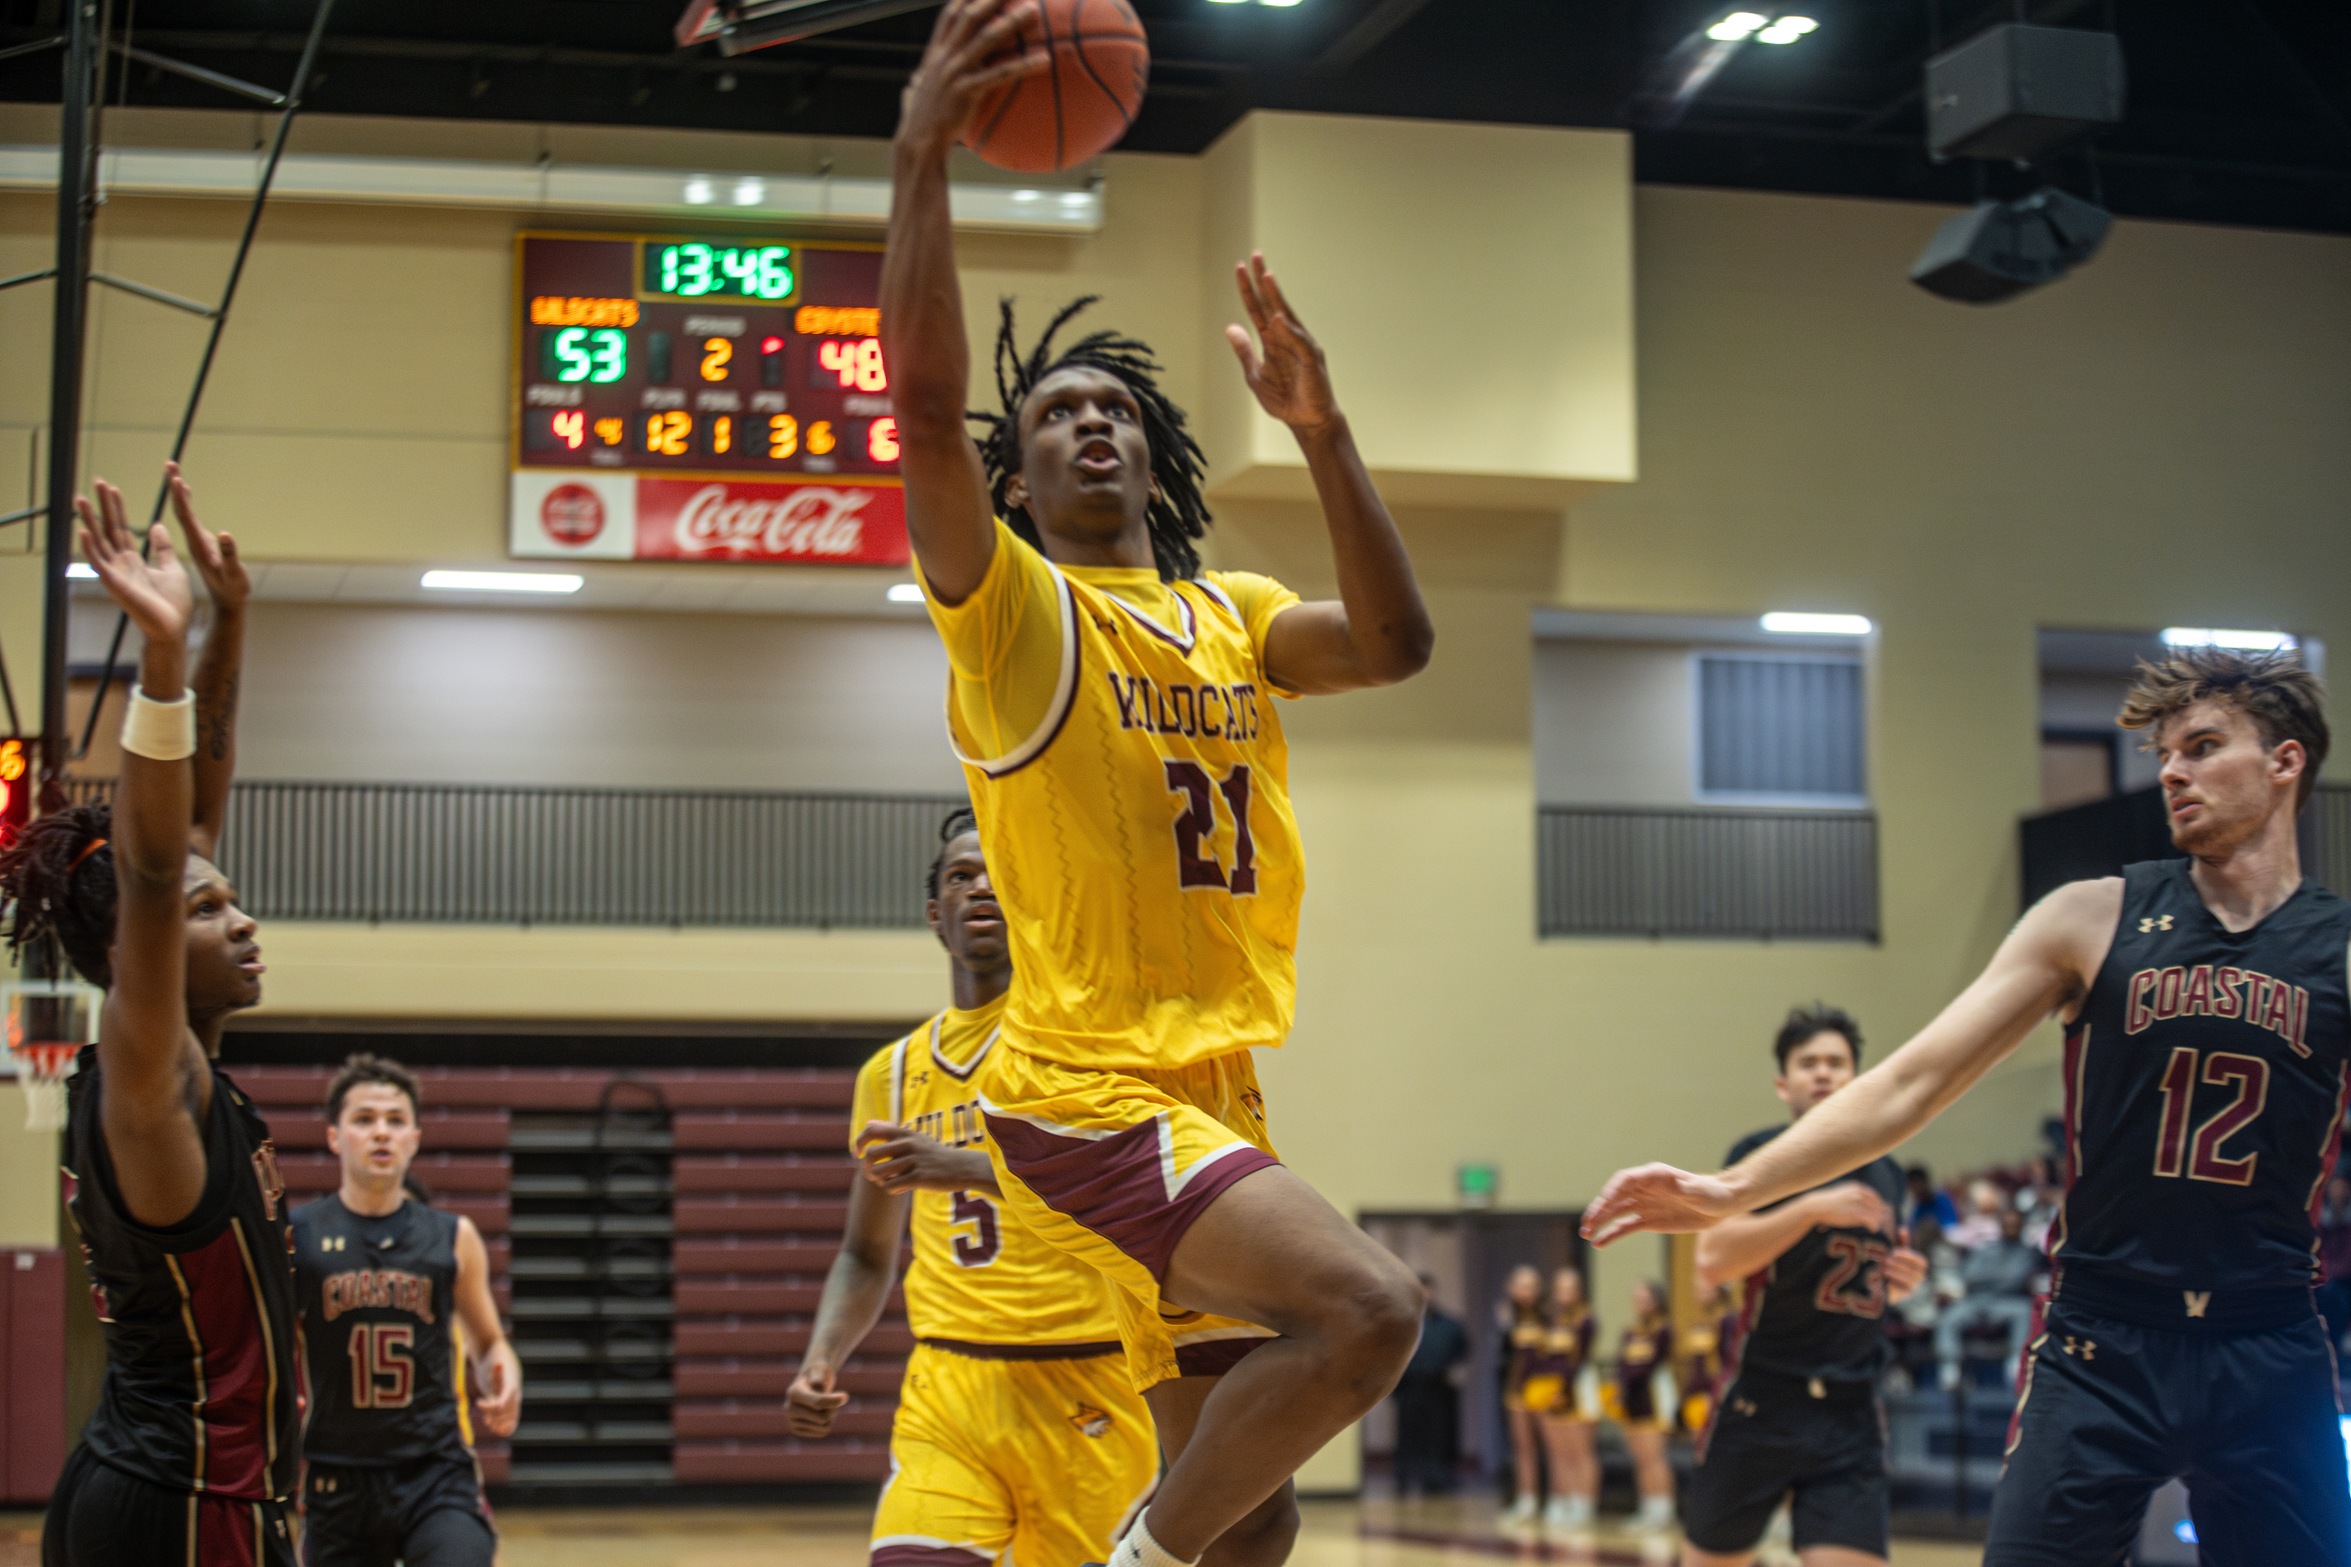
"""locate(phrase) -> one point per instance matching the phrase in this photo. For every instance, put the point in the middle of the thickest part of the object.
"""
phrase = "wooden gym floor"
(1455, 1533)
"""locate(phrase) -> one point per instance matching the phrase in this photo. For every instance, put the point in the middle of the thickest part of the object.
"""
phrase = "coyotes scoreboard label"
(684, 399)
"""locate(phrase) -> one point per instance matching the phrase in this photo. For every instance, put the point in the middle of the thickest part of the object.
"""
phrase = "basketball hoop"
(49, 1020)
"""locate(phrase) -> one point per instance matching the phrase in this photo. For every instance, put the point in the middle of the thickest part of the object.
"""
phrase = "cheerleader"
(1530, 1385)
(1642, 1402)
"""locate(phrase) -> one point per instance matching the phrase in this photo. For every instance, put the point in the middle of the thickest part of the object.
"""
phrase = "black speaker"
(2001, 248)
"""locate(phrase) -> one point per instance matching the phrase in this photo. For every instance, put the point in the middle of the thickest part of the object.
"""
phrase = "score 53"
(598, 355)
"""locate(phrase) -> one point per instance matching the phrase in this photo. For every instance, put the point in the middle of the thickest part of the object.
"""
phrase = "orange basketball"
(1078, 106)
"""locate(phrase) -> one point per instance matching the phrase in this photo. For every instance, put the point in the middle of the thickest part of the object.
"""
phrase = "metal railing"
(1758, 874)
(498, 855)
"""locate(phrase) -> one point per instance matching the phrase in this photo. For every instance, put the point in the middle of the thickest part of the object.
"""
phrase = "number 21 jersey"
(1132, 786)
(2204, 1091)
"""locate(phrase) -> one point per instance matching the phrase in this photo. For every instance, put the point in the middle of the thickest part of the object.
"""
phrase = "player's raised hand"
(1658, 1198)
(214, 555)
(1285, 367)
(974, 49)
(810, 1403)
(154, 591)
(1906, 1270)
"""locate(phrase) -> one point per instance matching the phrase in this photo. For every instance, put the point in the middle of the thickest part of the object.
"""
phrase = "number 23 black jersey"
(2204, 1091)
(1819, 1309)
(378, 1333)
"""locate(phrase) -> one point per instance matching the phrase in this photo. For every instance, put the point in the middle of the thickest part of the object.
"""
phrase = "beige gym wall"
(2157, 440)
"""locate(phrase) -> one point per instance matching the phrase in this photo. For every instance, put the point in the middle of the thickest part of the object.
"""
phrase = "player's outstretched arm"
(2045, 964)
(1738, 1248)
(948, 512)
(500, 1398)
(218, 668)
(899, 1159)
(1378, 632)
(156, 1089)
(854, 1293)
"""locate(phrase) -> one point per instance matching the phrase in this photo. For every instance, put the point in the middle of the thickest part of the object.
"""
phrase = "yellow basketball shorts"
(1015, 1463)
(1114, 1167)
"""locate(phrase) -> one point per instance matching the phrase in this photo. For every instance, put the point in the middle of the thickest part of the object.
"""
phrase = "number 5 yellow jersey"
(1128, 770)
(979, 1276)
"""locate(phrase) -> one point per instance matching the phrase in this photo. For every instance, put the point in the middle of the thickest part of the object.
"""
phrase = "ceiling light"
(1228, 2)
(1277, 2)
(2241, 641)
(750, 193)
(504, 581)
(1787, 30)
(1736, 26)
(905, 593)
(82, 570)
(1796, 623)
(699, 193)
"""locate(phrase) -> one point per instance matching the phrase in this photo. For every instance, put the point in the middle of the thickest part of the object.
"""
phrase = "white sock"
(1138, 1549)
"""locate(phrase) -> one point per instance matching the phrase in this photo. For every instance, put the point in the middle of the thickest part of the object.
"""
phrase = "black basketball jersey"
(1819, 1309)
(200, 1384)
(2204, 1091)
(379, 1328)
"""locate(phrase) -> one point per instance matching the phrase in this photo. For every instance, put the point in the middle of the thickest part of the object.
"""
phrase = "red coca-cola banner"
(797, 522)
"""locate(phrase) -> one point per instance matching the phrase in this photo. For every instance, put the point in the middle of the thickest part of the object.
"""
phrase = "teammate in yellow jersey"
(1115, 709)
(1019, 1437)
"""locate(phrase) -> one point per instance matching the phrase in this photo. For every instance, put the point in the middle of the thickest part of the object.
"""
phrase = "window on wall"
(1780, 729)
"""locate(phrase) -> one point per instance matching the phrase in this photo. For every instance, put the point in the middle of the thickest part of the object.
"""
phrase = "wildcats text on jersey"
(2160, 994)
(1182, 708)
(387, 1289)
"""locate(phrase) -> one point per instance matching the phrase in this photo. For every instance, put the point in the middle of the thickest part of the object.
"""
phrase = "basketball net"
(49, 1020)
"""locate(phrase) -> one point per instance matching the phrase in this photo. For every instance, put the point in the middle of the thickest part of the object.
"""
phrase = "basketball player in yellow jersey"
(1115, 710)
(1019, 1437)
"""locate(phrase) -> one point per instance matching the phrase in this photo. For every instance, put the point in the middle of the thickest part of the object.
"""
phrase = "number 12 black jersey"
(2204, 1091)
(378, 1333)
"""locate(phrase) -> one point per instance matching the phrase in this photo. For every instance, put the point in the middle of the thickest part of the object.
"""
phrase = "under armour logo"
(2197, 1301)
(331, 1243)
(2153, 923)
(921, 1078)
(2081, 1348)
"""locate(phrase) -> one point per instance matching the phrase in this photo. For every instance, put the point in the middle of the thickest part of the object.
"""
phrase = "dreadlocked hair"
(1179, 512)
(57, 882)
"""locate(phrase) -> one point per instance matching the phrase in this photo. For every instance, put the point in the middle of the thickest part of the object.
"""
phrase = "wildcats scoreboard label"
(686, 399)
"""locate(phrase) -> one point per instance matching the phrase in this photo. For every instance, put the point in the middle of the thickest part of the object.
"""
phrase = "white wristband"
(160, 731)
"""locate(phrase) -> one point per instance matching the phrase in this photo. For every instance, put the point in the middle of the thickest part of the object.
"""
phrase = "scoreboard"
(684, 398)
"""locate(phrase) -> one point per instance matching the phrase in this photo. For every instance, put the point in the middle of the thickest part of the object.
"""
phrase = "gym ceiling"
(2239, 110)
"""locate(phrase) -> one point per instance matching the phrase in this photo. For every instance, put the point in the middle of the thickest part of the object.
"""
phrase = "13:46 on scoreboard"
(695, 399)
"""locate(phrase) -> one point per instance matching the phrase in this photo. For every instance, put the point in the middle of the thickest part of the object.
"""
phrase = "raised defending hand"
(810, 1403)
(154, 592)
(1290, 377)
(967, 59)
(1659, 1198)
(899, 1159)
(214, 555)
(1906, 1270)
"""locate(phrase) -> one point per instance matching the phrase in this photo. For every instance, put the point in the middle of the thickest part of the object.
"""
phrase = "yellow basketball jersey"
(978, 1275)
(1137, 816)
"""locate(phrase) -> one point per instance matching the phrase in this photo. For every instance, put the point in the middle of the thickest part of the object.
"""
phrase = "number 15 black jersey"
(378, 1333)
(2204, 1091)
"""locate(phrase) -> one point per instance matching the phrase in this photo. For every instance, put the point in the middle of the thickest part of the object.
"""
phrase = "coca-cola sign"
(801, 523)
(625, 516)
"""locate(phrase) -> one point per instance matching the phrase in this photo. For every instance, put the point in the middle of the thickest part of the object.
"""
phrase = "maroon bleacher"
(761, 1179)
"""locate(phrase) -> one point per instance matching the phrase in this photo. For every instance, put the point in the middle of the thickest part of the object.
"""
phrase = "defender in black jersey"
(1797, 1414)
(170, 1177)
(2208, 1054)
(386, 1283)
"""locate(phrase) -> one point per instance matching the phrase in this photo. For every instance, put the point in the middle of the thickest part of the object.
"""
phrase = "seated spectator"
(1980, 1225)
(1927, 1201)
(2001, 1277)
